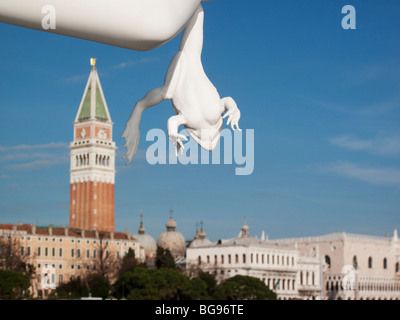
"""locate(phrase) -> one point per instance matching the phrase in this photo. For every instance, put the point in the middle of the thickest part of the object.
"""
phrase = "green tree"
(243, 288)
(199, 290)
(164, 259)
(73, 289)
(159, 284)
(94, 284)
(129, 262)
(99, 286)
(13, 284)
(210, 281)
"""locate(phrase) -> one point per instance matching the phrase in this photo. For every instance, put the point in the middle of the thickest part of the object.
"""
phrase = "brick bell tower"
(92, 174)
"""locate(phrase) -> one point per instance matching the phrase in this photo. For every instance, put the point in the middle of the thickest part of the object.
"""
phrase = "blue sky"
(324, 104)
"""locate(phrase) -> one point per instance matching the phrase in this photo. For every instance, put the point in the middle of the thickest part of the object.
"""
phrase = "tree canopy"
(164, 259)
(154, 284)
(170, 284)
(244, 288)
(13, 284)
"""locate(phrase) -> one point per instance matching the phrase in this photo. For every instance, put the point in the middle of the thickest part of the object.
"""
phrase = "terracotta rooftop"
(63, 231)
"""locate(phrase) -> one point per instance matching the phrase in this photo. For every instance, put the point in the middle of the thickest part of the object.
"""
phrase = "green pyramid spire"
(93, 104)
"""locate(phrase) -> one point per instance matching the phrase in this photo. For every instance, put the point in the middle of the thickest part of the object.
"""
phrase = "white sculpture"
(195, 100)
(132, 24)
(143, 25)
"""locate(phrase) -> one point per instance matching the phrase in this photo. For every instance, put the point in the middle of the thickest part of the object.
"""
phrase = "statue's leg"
(233, 112)
(131, 132)
(172, 126)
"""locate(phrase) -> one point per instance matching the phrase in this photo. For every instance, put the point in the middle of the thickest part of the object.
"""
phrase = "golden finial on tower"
(93, 62)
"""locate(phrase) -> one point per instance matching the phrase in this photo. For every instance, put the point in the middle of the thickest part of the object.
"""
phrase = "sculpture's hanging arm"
(132, 24)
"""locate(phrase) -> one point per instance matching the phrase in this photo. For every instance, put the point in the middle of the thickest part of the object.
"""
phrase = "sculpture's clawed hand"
(175, 138)
(233, 118)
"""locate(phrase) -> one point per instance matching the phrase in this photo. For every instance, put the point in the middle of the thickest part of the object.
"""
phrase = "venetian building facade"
(70, 253)
(92, 173)
(281, 267)
(369, 263)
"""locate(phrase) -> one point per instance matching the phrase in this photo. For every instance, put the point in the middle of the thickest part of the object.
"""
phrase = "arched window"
(355, 263)
(370, 262)
(313, 279)
(301, 277)
(199, 260)
(229, 259)
(222, 259)
(384, 263)
(397, 267)
(328, 261)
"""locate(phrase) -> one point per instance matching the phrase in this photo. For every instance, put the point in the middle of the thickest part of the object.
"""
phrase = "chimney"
(50, 230)
(128, 234)
(66, 229)
(33, 229)
(112, 235)
(83, 233)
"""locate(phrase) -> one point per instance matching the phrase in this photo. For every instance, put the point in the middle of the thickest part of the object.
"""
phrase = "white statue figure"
(132, 24)
(195, 100)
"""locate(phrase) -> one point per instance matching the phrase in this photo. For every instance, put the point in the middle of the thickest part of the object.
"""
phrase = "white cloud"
(380, 176)
(22, 147)
(39, 164)
(383, 145)
(349, 142)
(75, 79)
(29, 157)
(133, 63)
